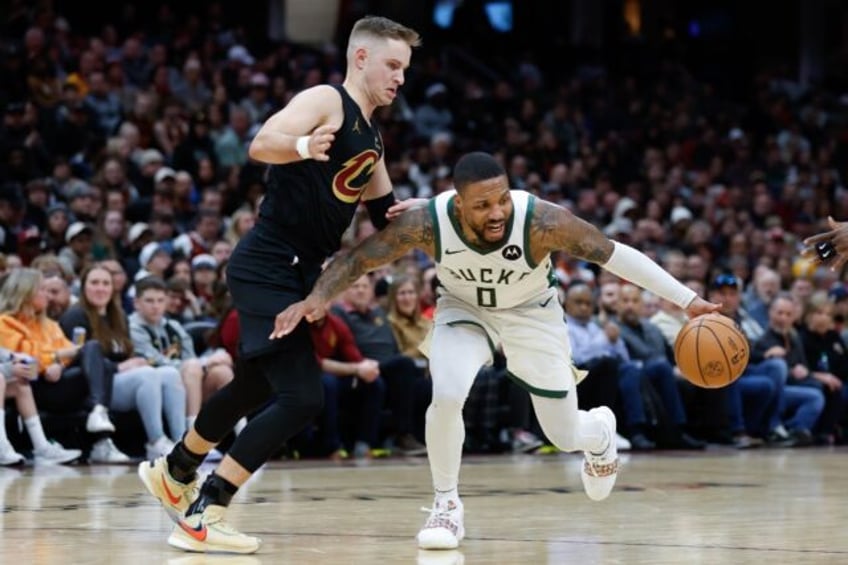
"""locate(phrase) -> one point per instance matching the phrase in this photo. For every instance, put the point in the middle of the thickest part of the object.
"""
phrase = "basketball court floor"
(719, 506)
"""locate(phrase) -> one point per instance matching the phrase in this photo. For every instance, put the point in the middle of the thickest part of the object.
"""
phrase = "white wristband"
(302, 147)
(636, 267)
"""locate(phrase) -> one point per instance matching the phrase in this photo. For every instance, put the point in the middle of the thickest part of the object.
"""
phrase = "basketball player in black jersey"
(325, 156)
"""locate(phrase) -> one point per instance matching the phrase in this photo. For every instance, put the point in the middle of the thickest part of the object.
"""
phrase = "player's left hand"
(402, 206)
(828, 248)
(700, 306)
(287, 320)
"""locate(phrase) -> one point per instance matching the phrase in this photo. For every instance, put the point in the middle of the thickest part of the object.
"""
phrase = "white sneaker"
(600, 469)
(55, 454)
(622, 443)
(8, 455)
(104, 451)
(98, 421)
(444, 528)
(158, 448)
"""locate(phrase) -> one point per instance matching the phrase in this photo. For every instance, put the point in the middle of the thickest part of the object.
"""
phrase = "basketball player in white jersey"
(492, 249)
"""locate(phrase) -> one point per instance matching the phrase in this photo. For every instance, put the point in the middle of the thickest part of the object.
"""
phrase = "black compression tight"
(288, 381)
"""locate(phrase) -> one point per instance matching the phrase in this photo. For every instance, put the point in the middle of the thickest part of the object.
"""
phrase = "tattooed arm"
(412, 229)
(553, 228)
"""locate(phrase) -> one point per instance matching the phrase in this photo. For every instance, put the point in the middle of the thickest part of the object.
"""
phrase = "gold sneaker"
(209, 533)
(174, 496)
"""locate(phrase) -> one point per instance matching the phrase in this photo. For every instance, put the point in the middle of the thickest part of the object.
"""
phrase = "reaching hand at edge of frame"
(699, 306)
(402, 206)
(817, 245)
(286, 321)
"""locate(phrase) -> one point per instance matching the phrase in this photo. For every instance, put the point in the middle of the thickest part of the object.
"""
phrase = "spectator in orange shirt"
(70, 376)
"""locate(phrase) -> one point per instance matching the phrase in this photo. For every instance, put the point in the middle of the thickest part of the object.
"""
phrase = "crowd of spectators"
(124, 153)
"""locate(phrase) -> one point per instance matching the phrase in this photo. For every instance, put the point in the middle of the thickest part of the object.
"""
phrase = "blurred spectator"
(351, 383)
(375, 340)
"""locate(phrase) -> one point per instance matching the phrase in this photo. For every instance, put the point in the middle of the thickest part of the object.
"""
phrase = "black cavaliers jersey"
(309, 204)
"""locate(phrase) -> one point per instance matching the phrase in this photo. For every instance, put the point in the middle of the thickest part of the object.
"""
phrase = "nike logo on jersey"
(453, 251)
(546, 302)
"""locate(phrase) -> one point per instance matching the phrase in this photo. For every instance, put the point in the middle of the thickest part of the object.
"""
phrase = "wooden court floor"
(720, 506)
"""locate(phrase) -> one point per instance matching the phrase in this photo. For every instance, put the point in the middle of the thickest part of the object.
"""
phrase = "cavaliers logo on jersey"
(354, 176)
(511, 252)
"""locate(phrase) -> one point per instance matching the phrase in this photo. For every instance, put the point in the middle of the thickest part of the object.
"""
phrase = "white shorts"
(533, 336)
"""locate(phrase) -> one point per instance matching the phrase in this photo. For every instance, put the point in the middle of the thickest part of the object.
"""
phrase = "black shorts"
(261, 288)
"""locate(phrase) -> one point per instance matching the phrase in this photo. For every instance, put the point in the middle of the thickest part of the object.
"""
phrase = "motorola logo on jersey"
(511, 252)
(354, 176)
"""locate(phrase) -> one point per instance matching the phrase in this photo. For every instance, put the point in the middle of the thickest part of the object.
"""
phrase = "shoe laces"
(442, 515)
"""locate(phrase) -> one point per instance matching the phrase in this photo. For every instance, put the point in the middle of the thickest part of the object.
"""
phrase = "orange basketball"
(711, 351)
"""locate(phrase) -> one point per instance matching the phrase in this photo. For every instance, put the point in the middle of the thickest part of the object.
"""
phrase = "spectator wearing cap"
(257, 103)
(153, 260)
(203, 277)
(83, 201)
(79, 242)
(149, 161)
(138, 236)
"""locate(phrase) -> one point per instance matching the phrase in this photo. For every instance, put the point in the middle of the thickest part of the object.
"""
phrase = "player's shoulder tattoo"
(414, 228)
(554, 228)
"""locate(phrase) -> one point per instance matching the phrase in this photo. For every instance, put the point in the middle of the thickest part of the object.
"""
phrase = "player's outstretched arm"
(413, 229)
(554, 228)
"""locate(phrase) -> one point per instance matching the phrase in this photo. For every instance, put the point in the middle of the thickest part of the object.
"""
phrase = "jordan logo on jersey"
(354, 176)
(511, 252)
(355, 127)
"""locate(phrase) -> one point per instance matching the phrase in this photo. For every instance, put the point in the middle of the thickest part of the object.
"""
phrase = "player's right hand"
(287, 320)
(320, 141)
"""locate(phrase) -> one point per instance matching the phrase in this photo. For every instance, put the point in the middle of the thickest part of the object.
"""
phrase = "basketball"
(711, 351)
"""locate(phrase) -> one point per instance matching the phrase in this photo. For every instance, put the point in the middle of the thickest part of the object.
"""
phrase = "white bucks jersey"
(499, 278)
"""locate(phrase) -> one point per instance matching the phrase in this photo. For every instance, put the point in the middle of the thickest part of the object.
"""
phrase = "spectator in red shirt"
(351, 383)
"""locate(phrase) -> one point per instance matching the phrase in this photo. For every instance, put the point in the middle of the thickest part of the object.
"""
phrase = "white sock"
(36, 433)
(190, 422)
(452, 494)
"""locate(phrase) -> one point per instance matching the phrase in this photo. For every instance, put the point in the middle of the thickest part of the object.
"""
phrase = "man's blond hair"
(378, 27)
